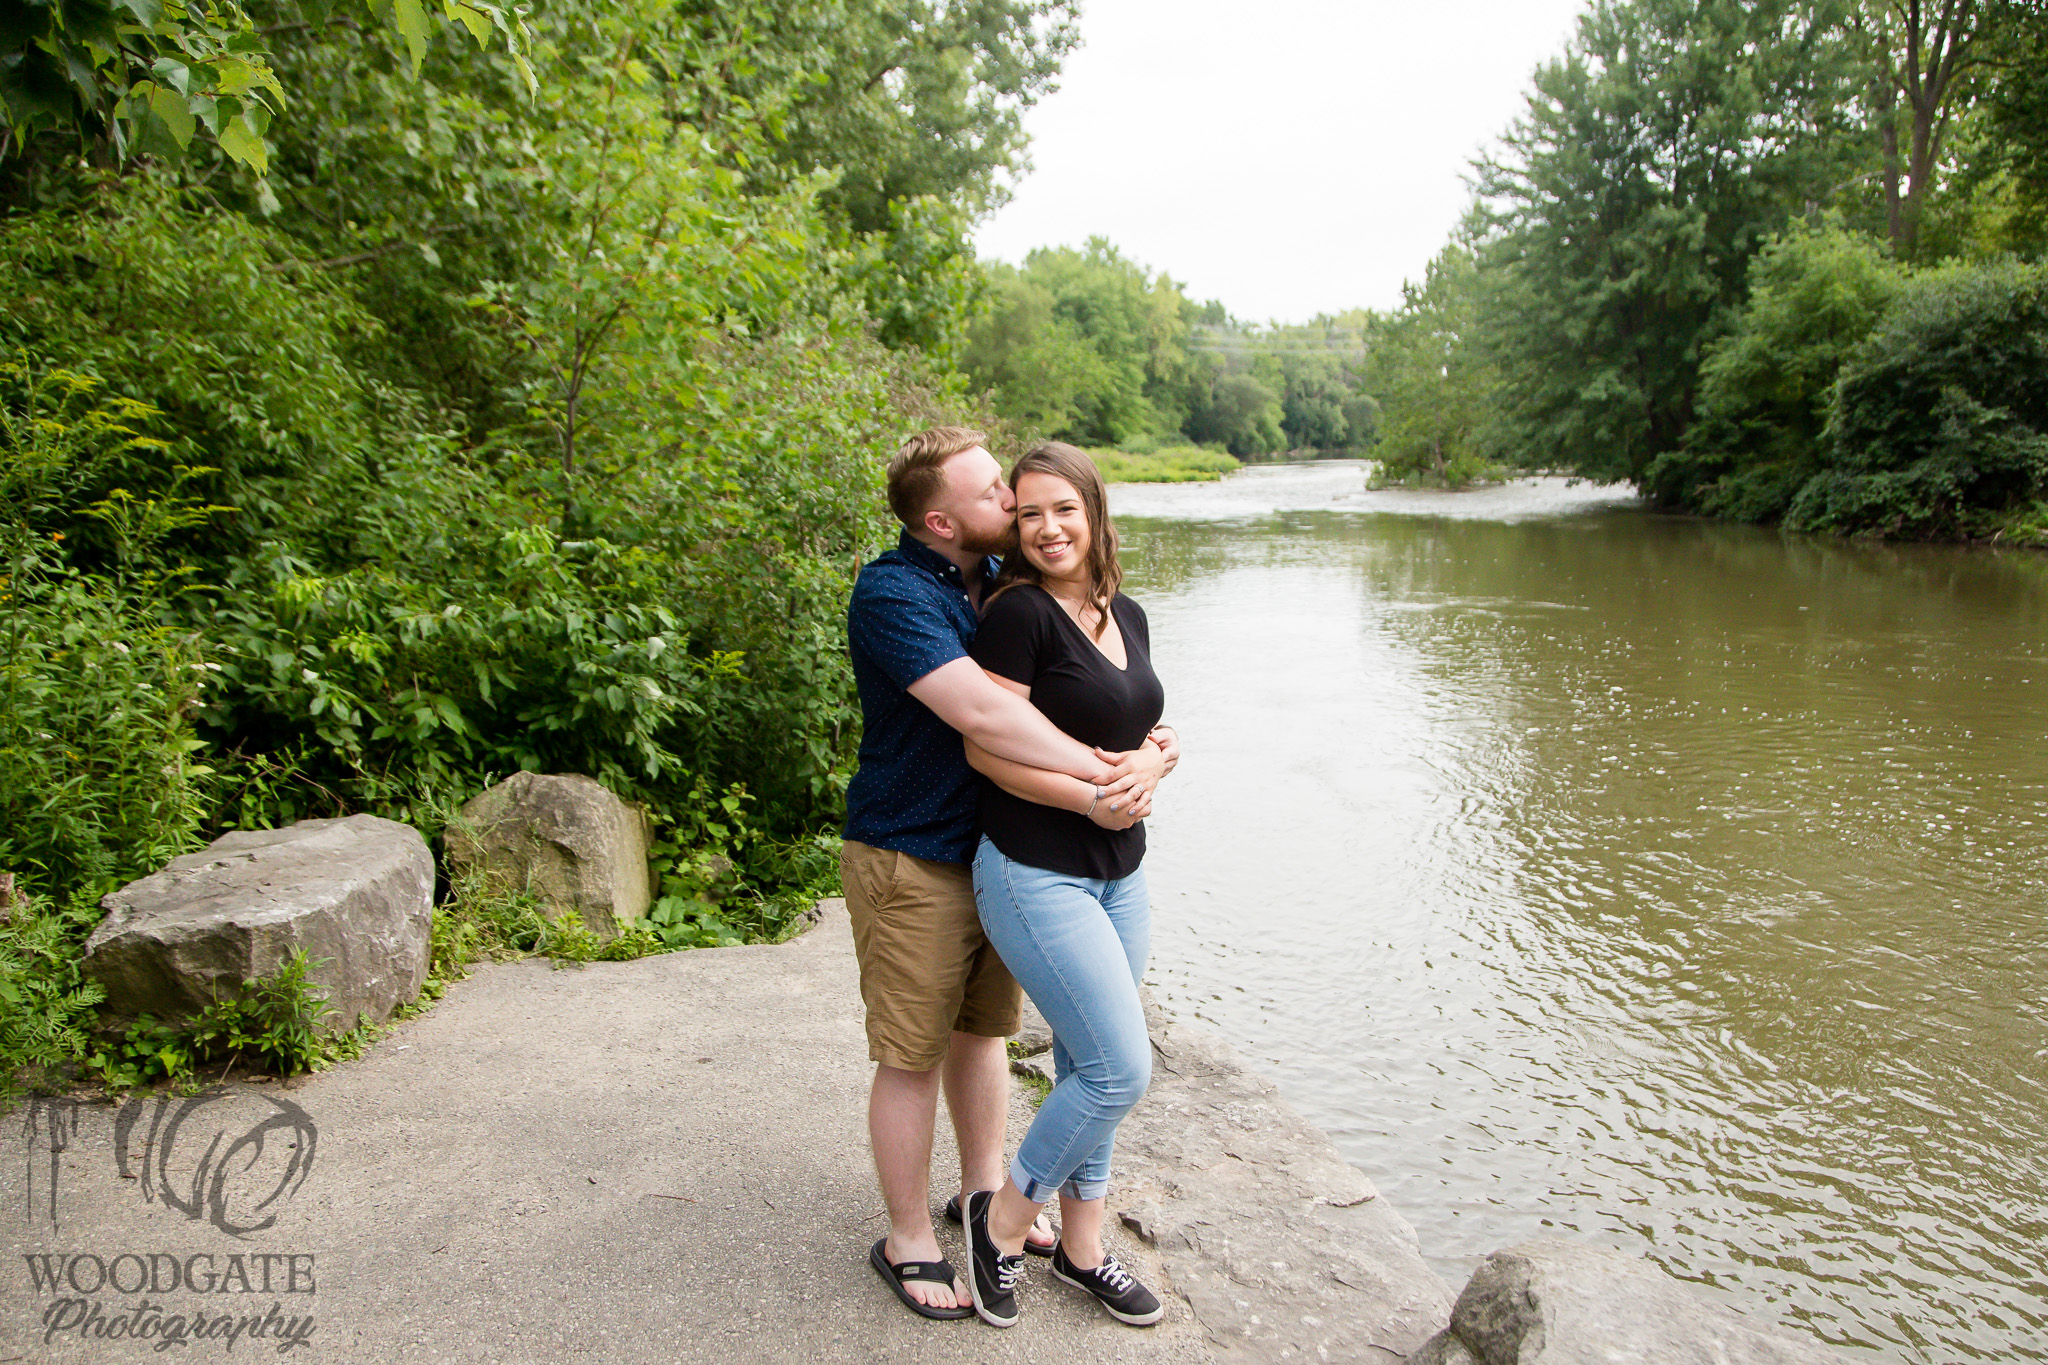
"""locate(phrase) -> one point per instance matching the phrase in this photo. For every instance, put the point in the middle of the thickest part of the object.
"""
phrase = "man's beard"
(1000, 543)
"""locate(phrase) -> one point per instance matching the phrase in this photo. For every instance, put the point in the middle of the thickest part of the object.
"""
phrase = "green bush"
(1766, 389)
(278, 1022)
(99, 778)
(47, 1008)
(1940, 422)
(394, 615)
(724, 880)
(247, 370)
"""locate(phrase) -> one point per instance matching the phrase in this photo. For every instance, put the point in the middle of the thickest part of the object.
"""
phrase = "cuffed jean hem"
(1038, 1191)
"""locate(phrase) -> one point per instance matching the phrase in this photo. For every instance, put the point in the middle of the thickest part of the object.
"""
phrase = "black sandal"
(937, 1272)
(1031, 1248)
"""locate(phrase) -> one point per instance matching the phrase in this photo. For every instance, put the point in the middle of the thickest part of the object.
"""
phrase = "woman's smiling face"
(1052, 526)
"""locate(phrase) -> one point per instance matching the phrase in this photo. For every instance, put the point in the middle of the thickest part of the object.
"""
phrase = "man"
(939, 1001)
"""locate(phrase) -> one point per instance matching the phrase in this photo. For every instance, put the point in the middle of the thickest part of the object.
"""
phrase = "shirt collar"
(936, 564)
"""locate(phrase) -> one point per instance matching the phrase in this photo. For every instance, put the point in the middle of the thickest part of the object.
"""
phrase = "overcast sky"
(1288, 157)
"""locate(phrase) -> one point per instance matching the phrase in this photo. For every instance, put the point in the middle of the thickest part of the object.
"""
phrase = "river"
(1588, 872)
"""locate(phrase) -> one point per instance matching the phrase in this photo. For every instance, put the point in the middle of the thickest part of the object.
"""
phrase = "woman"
(1057, 877)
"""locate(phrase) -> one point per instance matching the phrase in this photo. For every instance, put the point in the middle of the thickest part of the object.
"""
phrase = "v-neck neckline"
(1093, 643)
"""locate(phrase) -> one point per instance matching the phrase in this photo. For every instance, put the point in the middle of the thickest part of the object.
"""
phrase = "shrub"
(1940, 423)
(1815, 292)
(247, 370)
(47, 1008)
(98, 776)
(279, 1022)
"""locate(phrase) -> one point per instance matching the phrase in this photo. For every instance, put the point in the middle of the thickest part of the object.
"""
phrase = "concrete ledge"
(1283, 1249)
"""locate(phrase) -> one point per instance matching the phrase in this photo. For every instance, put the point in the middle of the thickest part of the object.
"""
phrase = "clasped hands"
(1131, 777)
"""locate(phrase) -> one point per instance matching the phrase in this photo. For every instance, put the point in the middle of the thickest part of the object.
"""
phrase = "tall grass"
(1168, 464)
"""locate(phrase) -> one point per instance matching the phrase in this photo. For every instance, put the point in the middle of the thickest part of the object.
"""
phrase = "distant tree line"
(1777, 260)
(1090, 346)
(1769, 260)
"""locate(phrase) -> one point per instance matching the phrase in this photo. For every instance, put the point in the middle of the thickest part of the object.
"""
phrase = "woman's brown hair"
(1105, 574)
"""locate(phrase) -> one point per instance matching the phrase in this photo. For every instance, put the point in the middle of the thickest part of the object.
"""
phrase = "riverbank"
(675, 1169)
(1172, 464)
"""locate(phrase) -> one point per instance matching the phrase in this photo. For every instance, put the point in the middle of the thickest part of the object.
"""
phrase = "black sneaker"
(991, 1276)
(1113, 1288)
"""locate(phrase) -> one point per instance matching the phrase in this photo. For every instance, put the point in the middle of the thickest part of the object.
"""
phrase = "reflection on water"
(1585, 871)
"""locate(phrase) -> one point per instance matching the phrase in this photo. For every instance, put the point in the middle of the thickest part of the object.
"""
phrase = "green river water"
(1586, 872)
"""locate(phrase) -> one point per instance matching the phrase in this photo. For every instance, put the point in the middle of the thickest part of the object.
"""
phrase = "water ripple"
(1581, 870)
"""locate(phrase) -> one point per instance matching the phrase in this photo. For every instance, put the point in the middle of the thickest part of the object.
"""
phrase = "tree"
(2016, 115)
(1129, 319)
(1927, 53)
(145, 77)
(912, 97)
(1039, 365)
(1434, 385)
(1312, 403)
(1241, 414)
(1669, 141)
(911, 109)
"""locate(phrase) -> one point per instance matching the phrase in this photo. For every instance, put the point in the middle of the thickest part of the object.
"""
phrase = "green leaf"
(239, 75)
(411, 21)
(175, 110)
(173, 73)
(245, 144)
(470, 17)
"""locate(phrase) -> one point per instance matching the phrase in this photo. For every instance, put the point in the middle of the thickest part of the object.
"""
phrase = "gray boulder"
(357, 892)
(1551, 1302)
(566, 839)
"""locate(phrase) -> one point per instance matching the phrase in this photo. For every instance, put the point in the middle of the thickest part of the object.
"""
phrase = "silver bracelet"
(1092, 802)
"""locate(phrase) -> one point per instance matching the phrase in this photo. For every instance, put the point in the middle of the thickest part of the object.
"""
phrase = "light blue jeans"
(1077, 945)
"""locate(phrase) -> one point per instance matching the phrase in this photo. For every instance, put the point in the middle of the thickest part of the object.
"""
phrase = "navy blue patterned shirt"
(914, 791)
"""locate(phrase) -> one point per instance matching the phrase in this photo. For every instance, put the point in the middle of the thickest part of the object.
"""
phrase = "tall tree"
(131, 78)
(1434, 384)
(1925, 53)
(1132, 322)
(2016, 109)
(1655, 156)
(901, 98)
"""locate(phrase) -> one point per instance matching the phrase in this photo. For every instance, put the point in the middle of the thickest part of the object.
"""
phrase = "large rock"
(1564, 1303)
(564, 838)
(357, 892)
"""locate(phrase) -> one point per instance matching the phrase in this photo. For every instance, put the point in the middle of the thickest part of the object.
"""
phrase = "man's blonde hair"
(915, 474)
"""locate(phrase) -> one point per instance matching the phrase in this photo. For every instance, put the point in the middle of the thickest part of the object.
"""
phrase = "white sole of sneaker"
(1128, 1319)
(974, 1280)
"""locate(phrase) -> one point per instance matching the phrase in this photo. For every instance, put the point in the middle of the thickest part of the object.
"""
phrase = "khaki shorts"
(926, 969)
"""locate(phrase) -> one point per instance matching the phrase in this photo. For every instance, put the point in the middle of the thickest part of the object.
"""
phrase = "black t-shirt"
(1028, 637)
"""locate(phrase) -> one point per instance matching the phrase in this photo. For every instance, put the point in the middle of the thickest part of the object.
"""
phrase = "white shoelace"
(1112, 1273)
(1008, 1268)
